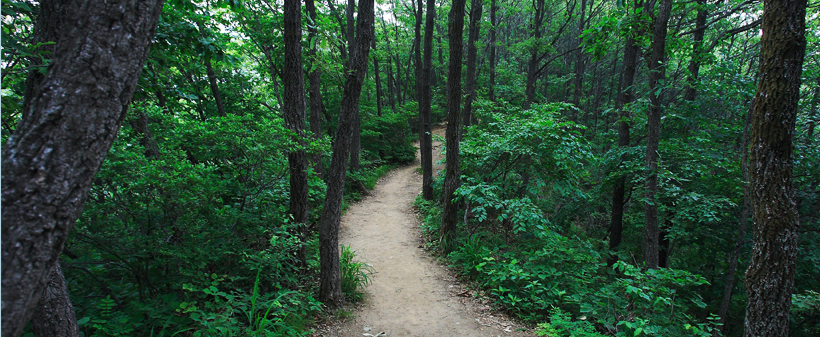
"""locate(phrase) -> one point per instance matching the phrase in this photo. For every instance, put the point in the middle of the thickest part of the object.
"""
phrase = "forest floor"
(411, 294)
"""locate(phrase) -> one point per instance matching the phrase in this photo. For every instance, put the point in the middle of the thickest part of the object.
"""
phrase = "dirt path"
(411, 295)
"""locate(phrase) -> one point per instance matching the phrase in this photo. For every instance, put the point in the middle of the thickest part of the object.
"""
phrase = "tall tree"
(330, 283)
(452, 178)
(209, 69)
(314, 83)
(54, 315)
(50, 160)
(770, 277)
(493, 23)
(657, 71)
(425, 102)
(697, 51)
(294, 113)
(475, 27)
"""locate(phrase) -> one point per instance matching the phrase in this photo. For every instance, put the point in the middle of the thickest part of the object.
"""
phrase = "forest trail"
(411, 294)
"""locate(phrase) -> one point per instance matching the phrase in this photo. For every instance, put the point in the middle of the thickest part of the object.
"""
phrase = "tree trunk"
(294, 112)
(378, 81)
(315, 85)
(493, 10)
(813, 112)
(425, 105)
(697, 51)
(49, 26)
(330, 287)
(532, 64)
(54, 315)
(391, 86)
(580, 61)
(770, 277)
(653, 134)
(453, 173)
(475, 19)
(140, 125)
(214, 88)
(50, 160)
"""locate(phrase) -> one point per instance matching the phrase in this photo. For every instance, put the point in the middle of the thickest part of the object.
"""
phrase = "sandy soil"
(411, 295)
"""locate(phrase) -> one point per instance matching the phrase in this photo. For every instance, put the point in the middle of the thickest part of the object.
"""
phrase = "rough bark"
(625, 96)
(697, 52)
(452, 178)
(770, 277)
(50, 161)
(330, 287)
(475, 27)
(425, 105)
(294, 112)
(493, 10)
(653, 134)
(214, 87)
(314, 85)
(54, 315)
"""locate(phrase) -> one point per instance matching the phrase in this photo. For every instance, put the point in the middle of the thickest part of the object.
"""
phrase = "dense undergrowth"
(538, 248)
(197, 240)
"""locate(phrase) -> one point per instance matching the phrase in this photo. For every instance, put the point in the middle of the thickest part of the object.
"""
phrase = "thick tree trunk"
(770, 277)
(475, 19)
(330, 287)
(294, 112)
(697, 52)
(50, 161)
(493, 10)
(54, 316)
(315, 86)
(214, 88)
(452, 178)
(425, 105)
(625, 96)
(653, 134)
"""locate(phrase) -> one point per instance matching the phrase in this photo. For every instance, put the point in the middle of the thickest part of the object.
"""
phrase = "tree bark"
(294, 112)
(330, 287)
(770, 277)
(214, 88)
(50, 24)
(54, 315)
(452, 178)
(315, 85)
(425, 105)
(580, 61)
(697, 52)
(50, 161)
(493, 10)
(653, 134)
(475, 27)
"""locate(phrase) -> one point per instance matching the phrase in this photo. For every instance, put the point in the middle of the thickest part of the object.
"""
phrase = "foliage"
(355, 275)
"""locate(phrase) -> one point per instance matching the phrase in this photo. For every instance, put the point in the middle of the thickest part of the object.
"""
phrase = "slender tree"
(315, 83)
(294, 113)
(330, 283)
(475, 27)
(425, 102)
(770, 277)
(656, 75)
(493, 23)
(452, 178)
(49, 162)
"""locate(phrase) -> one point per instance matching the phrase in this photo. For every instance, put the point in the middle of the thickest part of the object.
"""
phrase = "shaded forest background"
(187, 228)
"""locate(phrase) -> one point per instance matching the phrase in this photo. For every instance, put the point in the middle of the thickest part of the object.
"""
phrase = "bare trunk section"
(532, 64)
(315, 85)
(425, 105)
(50, 161)
(493, 10)
(330, 287)
(697, 52)
(452, 178)
(54, 316)
(770, 277)
(657, 72)
(580, 59)
(294, 112)
(50, 24)
(475, 19)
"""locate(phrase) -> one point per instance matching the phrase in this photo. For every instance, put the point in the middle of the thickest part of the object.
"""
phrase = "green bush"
(355, 275)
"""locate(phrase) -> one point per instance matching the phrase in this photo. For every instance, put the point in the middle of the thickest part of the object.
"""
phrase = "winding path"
(411, 295)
